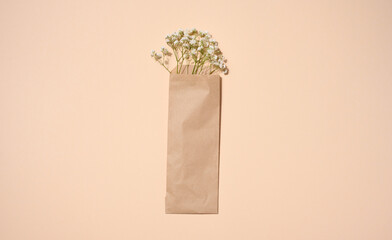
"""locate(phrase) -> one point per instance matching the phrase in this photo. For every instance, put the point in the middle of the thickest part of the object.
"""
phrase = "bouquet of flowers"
(193, 121)
(192, 48)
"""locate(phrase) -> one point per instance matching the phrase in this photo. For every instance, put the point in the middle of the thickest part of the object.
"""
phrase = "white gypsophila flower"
(200, 49)
(176, 43)
(157, 56)
(164, 51)
(186, 45)
(226, 71)
(204, 33)
(175, 37)
(193, 42)
(180, 31)
(152, 53)
(210, 51)
(193, 52)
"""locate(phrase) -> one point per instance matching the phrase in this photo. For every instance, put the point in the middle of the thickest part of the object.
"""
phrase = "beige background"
(306, 121)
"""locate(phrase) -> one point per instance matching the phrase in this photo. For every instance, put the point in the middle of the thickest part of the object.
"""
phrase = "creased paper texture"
(193, 143)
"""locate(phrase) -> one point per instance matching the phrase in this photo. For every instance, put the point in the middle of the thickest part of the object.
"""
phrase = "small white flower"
(152, 53)
(157, 56)
(175, 37)
(193, 42)
(164, 50)
(210, 51)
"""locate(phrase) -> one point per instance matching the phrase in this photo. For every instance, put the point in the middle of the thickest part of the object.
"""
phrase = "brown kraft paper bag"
(193, 143)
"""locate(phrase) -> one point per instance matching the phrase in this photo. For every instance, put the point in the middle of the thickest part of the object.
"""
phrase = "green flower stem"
(163, 63)
(175, 54)
(197, 65)
(194, 66)
(201, 69)
(200, 64)
(211, 72)
(182, 57)
(166, 68)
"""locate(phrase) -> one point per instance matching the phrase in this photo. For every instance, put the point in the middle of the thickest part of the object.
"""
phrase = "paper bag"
(193, 143)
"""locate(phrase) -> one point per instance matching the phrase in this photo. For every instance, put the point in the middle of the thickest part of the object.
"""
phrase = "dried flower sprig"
(193, 47)
(161, 57)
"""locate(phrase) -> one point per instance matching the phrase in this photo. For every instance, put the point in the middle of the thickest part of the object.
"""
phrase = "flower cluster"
(195, 48)
(161, 57)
